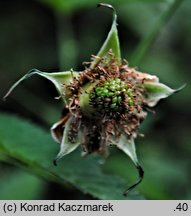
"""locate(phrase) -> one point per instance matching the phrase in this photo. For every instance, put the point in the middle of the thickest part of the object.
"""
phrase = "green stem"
(149, 38)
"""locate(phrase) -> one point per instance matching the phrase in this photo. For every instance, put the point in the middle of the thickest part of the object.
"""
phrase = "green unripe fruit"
(112, 88)
(112, 82)
(119, 99)
(113, 105)
(118, 92)
(118, 87)
(117, 80)
(129, 93)
(111, 96)
(114, 99)
(99, 93)
(106, 83)
(130, 102)
(105, 91)
(98, 89)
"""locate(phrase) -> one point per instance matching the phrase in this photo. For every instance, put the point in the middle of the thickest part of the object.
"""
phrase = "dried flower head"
(104, 104)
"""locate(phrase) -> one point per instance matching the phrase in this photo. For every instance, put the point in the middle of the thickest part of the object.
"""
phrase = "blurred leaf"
(67, 5)
(168, 173)
(20, 185)
(30, 147)
(70, 5)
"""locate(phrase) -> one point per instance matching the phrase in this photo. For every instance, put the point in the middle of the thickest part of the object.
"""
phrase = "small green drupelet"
(111, 96)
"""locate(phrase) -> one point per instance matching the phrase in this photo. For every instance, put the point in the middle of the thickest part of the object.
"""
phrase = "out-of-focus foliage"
(71, 6)
(52, 35)
(36, 154)
(13, 182)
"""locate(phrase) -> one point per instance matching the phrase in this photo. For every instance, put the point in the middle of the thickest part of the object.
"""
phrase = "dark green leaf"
(32, 148)
(20, 185)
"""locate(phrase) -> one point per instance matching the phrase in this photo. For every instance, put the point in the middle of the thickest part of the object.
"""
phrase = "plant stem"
(149, 38)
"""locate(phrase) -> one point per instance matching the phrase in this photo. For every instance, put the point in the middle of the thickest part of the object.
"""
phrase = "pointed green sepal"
(111, 42)
(58, 128)
(157, 91)
(59, 79)
(84, 98)
(67, 146)
(127, 145)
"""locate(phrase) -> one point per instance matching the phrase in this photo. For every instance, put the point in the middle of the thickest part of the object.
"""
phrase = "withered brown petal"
(58, 128)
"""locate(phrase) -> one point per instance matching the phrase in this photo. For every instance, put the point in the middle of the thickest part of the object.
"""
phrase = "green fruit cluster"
(110, 95)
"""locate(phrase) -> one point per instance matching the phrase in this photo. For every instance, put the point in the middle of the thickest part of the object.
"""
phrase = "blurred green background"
(58, 35)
